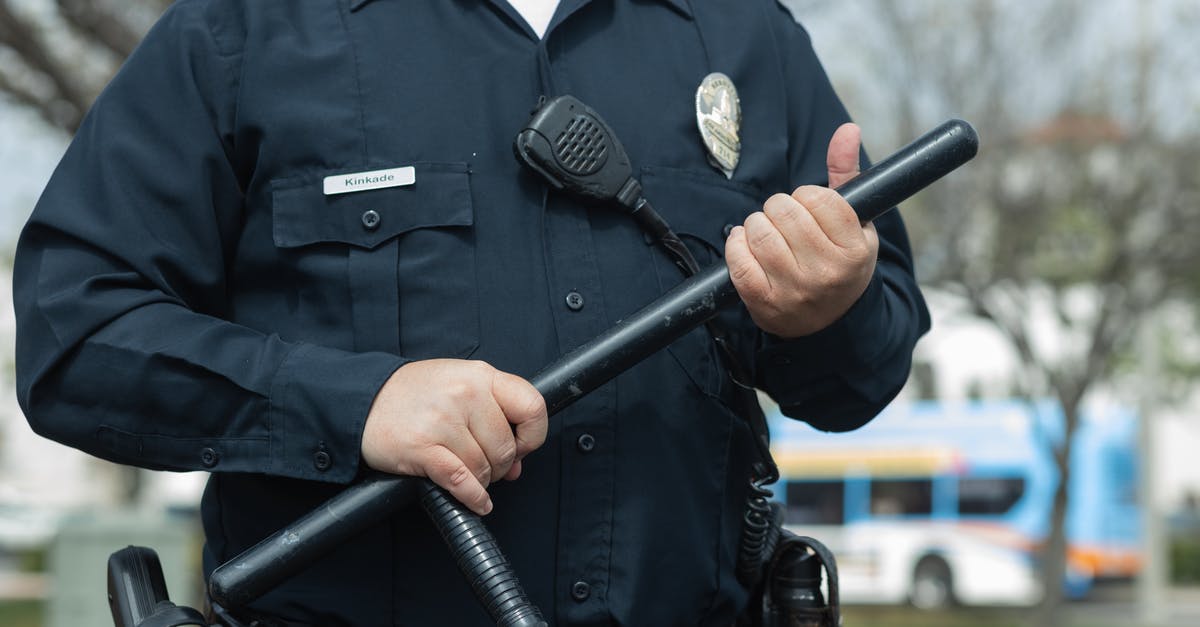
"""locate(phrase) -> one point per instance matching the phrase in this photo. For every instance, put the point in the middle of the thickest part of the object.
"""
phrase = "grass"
(21, 613)
(886, 616)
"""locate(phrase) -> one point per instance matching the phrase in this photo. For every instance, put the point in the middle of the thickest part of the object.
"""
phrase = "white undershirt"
(537, 13)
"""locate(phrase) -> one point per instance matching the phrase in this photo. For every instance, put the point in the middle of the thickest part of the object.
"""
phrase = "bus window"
(815, 502)
(901, 497)
(994, 495)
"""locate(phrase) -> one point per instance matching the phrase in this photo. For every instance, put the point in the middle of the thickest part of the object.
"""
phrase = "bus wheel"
(932, 585)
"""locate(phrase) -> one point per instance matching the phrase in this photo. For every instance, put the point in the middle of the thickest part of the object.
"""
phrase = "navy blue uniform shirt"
(189, 298)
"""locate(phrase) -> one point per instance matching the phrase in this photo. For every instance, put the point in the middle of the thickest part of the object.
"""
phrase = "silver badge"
(719, 116)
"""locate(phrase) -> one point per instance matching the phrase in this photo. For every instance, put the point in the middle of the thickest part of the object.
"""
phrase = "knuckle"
(750, 279)
(529, 443)
(484, 474)
(777, 199)
(781, 208)
(833, 278)
(759, 293)
(531, 438)
(739, 270)
(459, 476)
(809, 195)
(761, 236)
(480, 369)
(507, 453)
(856, 257)
(534, 406)
(437, 416)
(459, 390)
(828, 278)
(773, 311)
(759, 240)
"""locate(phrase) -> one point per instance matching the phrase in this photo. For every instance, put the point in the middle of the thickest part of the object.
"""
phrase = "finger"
(464, 445)
(772, 250)
(833, 215)
(797, 226)
(445, 468)
(748, 277)
(842, 156)
(524, 408)
(745, 272)
(872, 237)
(495, 438)
(514, 472)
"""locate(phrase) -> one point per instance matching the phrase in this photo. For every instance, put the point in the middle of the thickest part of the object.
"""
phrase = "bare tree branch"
(71, 51)
(21, 35)
(90, 18)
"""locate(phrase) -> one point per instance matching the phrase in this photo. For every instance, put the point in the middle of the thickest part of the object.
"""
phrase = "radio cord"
(761, 522)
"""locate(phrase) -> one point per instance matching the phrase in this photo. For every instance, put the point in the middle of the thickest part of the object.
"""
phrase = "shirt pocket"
(701, 208)
(409, 258)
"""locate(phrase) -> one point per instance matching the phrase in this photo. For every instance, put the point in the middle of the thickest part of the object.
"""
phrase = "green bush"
(32, 561)
(1185, 560)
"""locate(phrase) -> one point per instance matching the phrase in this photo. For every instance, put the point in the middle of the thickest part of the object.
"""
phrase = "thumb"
(842, 158)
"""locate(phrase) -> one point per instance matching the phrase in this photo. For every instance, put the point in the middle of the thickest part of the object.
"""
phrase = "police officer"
(290, 243)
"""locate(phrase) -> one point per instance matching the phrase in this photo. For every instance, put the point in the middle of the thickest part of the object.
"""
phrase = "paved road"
(1181, 609)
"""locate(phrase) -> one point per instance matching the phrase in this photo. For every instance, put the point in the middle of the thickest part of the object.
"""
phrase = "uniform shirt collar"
(682, 6)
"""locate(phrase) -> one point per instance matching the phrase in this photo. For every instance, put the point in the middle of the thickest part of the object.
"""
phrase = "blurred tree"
(56, 55)
(1077, 223)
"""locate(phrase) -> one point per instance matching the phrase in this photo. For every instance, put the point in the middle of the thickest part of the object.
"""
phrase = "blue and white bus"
(934, 503)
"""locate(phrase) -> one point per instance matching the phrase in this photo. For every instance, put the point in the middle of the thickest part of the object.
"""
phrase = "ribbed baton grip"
(479, 557)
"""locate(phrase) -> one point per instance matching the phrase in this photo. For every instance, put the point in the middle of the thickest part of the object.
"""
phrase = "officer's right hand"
(462, 424)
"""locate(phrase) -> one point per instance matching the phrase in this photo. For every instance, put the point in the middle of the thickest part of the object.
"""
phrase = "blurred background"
(1041, 466)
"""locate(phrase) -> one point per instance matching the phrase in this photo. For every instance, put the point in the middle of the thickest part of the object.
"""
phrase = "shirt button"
(580, 591)
(727, 230)
(370, 219)
(322, 461)
(574, 301)
(585, 443)
(209, 457)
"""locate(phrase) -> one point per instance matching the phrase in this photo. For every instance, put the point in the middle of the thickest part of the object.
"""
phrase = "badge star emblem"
(719, 117)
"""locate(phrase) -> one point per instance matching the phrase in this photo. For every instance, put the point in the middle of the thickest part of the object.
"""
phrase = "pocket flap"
(697, 204)
(302, 214)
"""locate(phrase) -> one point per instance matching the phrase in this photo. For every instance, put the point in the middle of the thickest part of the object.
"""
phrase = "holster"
(788, 594)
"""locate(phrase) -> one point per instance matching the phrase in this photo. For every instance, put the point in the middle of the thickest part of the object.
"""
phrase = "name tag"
(375, 179)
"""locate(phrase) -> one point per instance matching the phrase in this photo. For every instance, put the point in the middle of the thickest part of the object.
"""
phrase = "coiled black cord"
(760, 533)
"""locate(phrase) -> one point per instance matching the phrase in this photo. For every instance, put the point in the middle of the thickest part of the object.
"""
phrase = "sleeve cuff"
(793, 367)
(319, 402)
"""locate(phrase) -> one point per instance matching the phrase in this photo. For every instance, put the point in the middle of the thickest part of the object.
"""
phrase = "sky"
(29, 150)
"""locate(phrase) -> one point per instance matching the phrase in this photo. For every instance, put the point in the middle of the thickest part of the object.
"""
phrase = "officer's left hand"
(801, 262)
